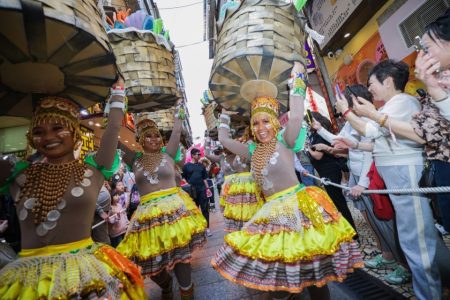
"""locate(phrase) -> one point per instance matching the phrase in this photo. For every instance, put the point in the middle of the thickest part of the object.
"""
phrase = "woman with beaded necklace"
(298, 238)
(167, 225)
(240, 197)
(56, 200)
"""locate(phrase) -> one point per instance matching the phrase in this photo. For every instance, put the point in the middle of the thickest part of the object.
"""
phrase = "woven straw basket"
(146, 62)
(259, 40)
(52, 47)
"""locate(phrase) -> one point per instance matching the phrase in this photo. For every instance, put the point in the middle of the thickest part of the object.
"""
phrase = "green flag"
(299, 4)
(158, 26)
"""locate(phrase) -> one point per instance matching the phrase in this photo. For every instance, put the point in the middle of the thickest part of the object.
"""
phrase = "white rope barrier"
(430, 190)
(104, 221)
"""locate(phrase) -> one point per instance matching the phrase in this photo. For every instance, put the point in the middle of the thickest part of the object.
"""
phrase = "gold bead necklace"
(47, 184)
(261, 157)
(150, 163)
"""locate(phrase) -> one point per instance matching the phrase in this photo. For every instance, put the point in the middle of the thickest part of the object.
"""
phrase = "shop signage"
(328, 16)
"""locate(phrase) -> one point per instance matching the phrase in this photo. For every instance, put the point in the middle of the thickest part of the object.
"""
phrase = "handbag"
(7, 254)
(382, 206)
(427, 178)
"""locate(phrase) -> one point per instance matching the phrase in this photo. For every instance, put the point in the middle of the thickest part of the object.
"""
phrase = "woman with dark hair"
(359, 163)
(55, 200)
(399, 160)
(329, 166)
(167, 226)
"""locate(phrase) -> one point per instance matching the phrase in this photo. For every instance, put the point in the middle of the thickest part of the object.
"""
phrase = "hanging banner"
(310, 65)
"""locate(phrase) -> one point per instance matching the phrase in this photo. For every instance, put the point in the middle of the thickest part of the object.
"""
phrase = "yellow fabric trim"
(290, 247)
(145, 241)
(62, 275)
(242, 211)
(56, 249)
(162, 193)
(285, 192)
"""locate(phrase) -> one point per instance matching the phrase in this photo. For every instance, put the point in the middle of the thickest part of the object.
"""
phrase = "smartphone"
(309, 116)
(351, 93)
(338, 90)
(421, 93)
(419, 45)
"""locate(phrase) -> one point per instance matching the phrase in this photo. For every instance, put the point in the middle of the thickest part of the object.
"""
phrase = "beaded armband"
(225, 119)
(297, 85)
(180, 112)
(223, 125)
(116, 91)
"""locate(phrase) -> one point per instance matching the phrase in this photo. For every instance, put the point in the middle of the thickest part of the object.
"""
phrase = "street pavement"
(209, 285)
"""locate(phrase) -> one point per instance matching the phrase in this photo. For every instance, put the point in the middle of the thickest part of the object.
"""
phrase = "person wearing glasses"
(195, 174)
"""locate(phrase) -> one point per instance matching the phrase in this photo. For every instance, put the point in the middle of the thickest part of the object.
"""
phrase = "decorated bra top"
(43, 185)
(151, 163)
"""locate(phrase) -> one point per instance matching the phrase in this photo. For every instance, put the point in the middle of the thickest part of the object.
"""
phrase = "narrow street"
(209, 285)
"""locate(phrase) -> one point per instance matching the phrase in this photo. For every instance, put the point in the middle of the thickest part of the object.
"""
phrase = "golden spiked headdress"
(265, 104)
(59, 110)
(268, 106)
(144, 124)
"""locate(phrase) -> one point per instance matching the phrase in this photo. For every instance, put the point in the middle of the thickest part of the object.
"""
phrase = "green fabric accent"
(177, 157)
(299, 141)
(18, 168)
(89, 159)
(251, 148)
(299, 91)
(299, 4)
(167, 35)
(158, 26)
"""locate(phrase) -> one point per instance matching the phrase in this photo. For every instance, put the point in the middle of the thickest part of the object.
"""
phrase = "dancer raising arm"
(56, 200)
(167, 225)
(298, 238)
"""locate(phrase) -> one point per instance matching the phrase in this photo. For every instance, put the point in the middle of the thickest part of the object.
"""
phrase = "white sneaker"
(208, 232)
(441, 229)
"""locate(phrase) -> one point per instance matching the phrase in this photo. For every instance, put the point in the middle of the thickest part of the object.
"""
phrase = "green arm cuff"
(299, 141)
(89, 159)
(18, 168)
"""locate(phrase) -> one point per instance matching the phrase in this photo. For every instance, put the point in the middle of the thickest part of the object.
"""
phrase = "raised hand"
(341, 104)
(363, 107)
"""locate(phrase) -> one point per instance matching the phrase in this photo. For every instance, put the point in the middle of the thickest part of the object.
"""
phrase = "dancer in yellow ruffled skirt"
(167, 225)
(55, 201)
(242, 200)
(240, 197)
(298, 238)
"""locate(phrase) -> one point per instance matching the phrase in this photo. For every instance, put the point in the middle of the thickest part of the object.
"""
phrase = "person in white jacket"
(400, 163)
(359, 163)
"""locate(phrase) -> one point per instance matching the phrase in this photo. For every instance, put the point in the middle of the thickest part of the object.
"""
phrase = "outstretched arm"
(296, 104)
(209, 154)
(405, 129)
(174, 141)
(108, 145)
(225, 139)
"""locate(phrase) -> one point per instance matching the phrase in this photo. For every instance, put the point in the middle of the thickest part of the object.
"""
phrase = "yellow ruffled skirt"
(297, 239)
(240, 200)
(71, 270)
(163, 231)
